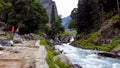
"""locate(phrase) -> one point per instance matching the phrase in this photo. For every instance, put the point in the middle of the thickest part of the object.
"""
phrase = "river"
(87, 58)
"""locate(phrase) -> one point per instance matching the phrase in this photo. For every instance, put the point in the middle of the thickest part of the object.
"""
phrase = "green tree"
(87, 15)
(26, 15)
(73, 14)
(57, 27)
(5, 9)
(109, 7)
(72, 24)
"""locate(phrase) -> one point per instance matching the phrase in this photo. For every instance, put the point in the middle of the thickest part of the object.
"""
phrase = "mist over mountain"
(66, 21)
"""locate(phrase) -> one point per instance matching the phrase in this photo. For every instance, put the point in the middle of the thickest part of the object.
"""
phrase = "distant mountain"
(66, 21)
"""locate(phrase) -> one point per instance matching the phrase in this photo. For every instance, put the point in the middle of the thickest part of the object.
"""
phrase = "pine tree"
(87, 15)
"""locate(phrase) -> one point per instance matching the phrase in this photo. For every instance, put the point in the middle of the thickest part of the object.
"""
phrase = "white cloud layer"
(65, 6)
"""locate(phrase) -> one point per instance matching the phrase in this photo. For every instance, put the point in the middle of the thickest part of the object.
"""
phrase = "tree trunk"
(118, 8)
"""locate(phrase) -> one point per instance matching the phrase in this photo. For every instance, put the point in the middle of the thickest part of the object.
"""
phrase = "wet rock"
(5, 42)
(1, 47)
(108, 54)
(54, 42)
(17, 38)
(64, 39)
(116, 51)
(76, 66)
(59, 40)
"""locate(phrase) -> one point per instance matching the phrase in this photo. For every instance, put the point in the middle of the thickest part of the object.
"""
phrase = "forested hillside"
(97, 23)
(29, 16)
(25, 15)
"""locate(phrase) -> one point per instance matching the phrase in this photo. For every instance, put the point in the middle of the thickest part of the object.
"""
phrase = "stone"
(64, 39)
(64, 59)
(76, 66)
(1, 47)
(30, 36)
(47, 4)
(116, 51)
(5, 42)
(17, 38)
(40, 56)
(108, 54)
(24, 57)
(2, 54)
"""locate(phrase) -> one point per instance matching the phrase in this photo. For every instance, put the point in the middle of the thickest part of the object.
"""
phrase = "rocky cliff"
(47, 4)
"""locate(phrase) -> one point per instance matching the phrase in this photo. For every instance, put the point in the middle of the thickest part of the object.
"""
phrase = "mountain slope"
(66, 21)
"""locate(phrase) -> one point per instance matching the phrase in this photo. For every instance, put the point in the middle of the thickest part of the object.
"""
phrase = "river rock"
(1, 47)
(64, 59)
(59, 40)
(108, 54)
(116, 51)
(5, 42)
(17, 38)
(64, 39)
(76, 66)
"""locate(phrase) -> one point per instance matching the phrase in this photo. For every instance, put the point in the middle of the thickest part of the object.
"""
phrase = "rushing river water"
(87, 58)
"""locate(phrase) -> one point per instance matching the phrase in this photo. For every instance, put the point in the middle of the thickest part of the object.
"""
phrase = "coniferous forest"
(97, 23)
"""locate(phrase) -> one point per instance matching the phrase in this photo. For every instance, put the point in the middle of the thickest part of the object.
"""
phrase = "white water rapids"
(87, 58)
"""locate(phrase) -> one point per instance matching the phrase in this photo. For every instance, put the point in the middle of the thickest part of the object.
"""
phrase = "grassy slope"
(50, 59)
(89, 44)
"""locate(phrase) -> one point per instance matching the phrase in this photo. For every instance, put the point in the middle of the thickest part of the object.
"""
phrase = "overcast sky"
(65, 6)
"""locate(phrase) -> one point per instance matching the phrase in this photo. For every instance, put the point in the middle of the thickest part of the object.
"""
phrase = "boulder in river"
(116, 51)
(108, 54)
(76, 66)
(64, 59)
(59, 40)
(64, 39)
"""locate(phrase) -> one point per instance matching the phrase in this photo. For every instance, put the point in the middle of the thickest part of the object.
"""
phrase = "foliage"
(108, 5)
(56, 27)
(88, 43)
(114, 19)
(72, 24)
(26, 15)
(7, 35)
(90, 38)
(86, 16)
(89, 17)
(51, 54)
(74, 14)
(68, 32)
